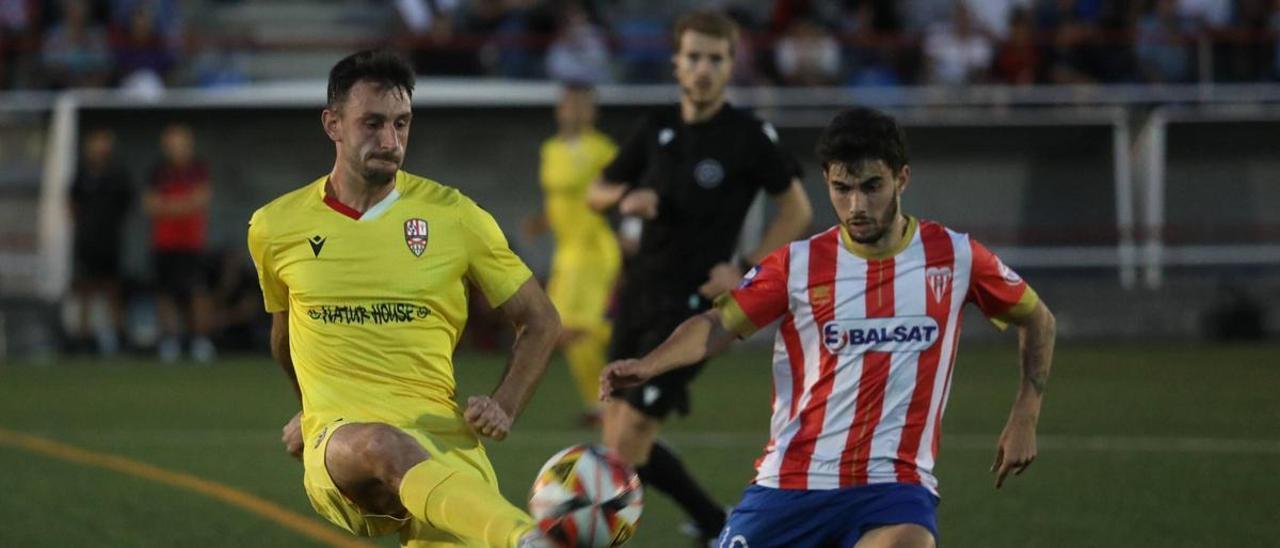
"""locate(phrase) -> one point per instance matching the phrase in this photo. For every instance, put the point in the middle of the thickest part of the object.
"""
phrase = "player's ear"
(330, 120)
(904, 178)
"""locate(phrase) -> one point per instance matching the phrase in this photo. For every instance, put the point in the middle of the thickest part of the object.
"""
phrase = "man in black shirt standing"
(691, 171)
(100, 200)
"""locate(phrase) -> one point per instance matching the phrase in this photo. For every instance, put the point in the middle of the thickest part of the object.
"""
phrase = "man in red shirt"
(177, 201)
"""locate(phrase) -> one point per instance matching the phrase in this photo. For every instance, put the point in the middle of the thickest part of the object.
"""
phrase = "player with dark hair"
(365, 272)
(870, 321)
(690, 171)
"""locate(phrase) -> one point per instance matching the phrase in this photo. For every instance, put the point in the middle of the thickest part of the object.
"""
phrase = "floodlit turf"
(1132, 448)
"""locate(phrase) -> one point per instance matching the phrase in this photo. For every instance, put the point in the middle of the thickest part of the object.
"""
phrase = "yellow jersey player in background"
(365, 272)
(587, 258)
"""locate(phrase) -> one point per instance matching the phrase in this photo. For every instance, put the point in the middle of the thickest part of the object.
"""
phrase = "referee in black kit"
(691, 171)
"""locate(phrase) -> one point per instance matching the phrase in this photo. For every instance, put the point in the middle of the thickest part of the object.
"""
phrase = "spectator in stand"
(178, 204)
(1242, 51)
(746, 69)
(644, 49)
(992, 16)
(144, 57)
(19, 37)
(1206, 14)
(957, 52)
(807, 55)
(1163, 47)
(921, 15)
(165, 16)
(439, 49)
(1115, 36)
(1018, 59)
(579, 52)
(1071, 55)
(869, 31)
(75, 52)
(101, 196)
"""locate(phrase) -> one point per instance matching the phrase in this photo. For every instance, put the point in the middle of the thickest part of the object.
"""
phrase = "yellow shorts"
(460, 450)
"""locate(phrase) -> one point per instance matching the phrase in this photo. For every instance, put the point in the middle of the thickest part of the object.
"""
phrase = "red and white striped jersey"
(863, 357)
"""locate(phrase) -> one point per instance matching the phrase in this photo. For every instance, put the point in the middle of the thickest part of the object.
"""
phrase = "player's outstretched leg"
(634, 436)
(385, 471)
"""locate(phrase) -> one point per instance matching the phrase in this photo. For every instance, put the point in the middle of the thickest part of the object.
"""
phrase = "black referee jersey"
(706, 176)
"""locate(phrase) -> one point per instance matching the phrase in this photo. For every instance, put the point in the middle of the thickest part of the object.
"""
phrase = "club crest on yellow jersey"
(415, 236)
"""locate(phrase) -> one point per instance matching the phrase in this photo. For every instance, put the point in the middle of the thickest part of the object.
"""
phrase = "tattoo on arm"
(1036, 342)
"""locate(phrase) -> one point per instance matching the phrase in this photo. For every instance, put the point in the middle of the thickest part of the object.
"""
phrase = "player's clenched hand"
(487, 418)
(641, 202)
(621, 374)
(291, 436)
(1016, 449)
(721, 278)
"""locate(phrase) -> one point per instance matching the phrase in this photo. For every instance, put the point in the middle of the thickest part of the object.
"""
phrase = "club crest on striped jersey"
(749, 277)
(415, 236)
(938, 280)
(820, 295)
(1010, 277)
(896, 334)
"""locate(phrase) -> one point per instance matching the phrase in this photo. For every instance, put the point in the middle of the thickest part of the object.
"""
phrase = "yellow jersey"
(377, 301)
(567, 170)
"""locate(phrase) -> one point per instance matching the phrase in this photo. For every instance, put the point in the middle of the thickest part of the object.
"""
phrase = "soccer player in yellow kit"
(587, 258)
(365, 272)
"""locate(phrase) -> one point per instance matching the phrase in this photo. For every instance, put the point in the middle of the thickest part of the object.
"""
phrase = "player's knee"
(386, 452)
(629, 432)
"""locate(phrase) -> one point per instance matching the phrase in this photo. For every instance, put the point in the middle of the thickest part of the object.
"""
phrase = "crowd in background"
(53, 44)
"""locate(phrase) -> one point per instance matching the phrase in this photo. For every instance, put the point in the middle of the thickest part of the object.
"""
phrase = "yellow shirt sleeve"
(491, 265)
(275, 295)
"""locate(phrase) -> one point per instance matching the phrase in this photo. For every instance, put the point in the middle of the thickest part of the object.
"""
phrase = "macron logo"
(897, 334)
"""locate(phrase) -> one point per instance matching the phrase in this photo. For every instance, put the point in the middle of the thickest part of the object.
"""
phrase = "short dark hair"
(380, 66)
(708, 22)
(861, 133)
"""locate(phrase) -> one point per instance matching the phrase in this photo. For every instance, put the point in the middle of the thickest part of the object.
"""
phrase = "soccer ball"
(586, 497)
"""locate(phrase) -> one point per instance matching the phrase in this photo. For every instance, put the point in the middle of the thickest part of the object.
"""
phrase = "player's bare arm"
(631, 201)
(537, 327)
(792, 220)
(291, 433)
(698, 338)
(602, 194)
(1017, 446)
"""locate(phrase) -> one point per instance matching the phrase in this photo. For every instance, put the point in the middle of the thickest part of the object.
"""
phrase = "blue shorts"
(836, 517)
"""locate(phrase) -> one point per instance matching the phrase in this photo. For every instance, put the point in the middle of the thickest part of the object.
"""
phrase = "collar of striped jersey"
(861, 250)
(370, 214)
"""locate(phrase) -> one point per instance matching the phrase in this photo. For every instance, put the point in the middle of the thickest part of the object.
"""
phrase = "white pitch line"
(551, 439)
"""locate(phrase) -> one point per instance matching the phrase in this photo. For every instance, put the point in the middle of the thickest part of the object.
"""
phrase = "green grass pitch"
(1141, 445)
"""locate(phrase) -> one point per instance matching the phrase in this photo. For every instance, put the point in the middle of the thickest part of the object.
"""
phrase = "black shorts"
(96, 260)
(180, 273)
(639, 329)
